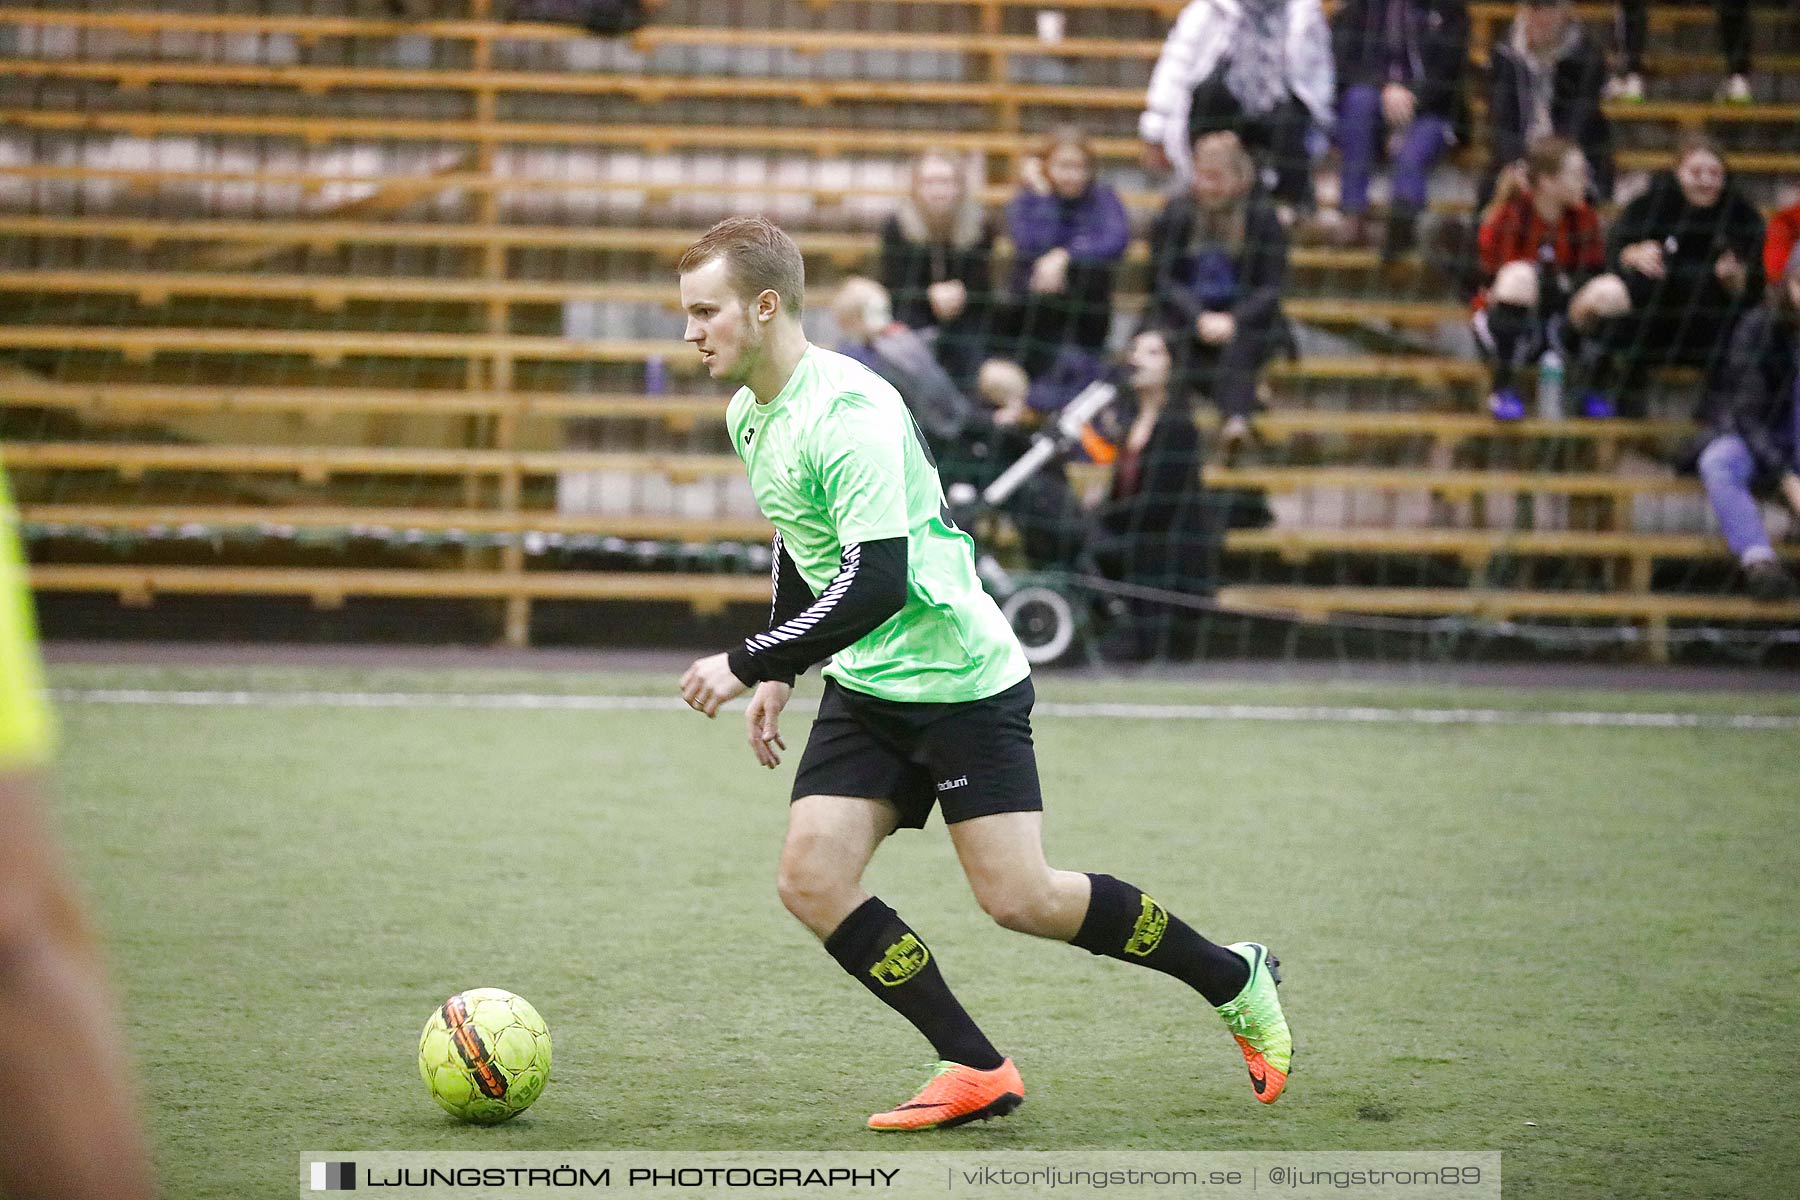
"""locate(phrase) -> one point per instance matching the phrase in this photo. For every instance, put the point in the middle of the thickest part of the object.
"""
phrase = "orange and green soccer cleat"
(1255, 1020)
(956, 1095)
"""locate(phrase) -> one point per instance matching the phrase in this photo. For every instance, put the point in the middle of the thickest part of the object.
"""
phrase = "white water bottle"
(1550, 386)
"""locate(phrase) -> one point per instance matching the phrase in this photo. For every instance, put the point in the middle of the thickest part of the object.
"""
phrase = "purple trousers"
(1359, 138)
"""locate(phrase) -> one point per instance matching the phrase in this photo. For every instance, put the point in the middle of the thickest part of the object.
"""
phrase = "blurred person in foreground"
(1218, 261)
(1757, 447)
(76, 1135)
(1259, 68)
(1685, 262)
(1400, 65)
(1540, 241)
(937, 263)
(1153, 529)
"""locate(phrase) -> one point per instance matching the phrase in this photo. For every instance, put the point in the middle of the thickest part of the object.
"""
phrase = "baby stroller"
(1049, 610)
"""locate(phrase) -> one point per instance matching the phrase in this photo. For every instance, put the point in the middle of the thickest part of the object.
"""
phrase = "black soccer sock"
(1508, 325)
(1125, 924)
(885, 956)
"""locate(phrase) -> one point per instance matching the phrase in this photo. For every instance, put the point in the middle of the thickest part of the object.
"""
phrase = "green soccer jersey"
(24, 718)
(836, 459)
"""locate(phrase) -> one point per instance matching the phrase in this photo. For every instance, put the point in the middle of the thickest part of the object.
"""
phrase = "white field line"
(1343, 714)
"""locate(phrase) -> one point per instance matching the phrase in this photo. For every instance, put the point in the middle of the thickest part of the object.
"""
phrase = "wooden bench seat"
(318, 463)
(1474, 547)
(135, 401)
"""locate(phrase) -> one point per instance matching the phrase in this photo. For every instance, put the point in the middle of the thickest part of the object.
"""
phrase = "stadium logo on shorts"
(1147, 935)
(904, 959)
(950, 785)
(334, 1177)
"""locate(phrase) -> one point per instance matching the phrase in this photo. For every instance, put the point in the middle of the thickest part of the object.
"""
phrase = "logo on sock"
(1147, 934)
(904, 959)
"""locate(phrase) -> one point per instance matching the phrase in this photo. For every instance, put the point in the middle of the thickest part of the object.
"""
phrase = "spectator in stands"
(936, 256)
(1218, 260)
(1758, 444)
(1069, 232)
(1045, 509)
(1153, 529)
(1686, 261)
(1399, 71)
(1540, 241)
(1546, 78)
(865, 317)
(1261, 68)
(1734, 40)
(1782, 237)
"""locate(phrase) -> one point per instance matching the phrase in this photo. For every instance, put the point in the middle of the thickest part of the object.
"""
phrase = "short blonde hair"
(758, 256)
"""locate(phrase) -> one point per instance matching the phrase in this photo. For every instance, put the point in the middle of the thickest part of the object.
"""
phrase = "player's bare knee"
(810, 895)
(1516, 283)
(1016, 906)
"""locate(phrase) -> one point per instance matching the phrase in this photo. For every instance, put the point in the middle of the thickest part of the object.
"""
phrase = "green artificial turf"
(1575, 946)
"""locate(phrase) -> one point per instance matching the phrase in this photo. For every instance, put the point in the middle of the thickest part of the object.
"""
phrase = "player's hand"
(762, 719)
(1155, 158)
(1644, 257)
(1216, 328)
(709, 683)
(1397, 105)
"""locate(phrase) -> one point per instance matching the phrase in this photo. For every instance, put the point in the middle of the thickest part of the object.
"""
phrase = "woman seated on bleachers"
(1218, 258)
(1686, 261)
(936, 258)
(1540, 241)
(1154, 528)
(1400, 65)
(1259, 68)
(1758, 442)
(1069, 232)
(1545, 77)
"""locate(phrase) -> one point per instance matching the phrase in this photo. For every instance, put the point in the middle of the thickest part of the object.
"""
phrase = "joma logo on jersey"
(904, 959)
(1147, 934)
(748, 434)
(950, 785)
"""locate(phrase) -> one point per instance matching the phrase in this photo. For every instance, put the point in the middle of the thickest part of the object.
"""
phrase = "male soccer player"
(927, 698)
(76, 1137)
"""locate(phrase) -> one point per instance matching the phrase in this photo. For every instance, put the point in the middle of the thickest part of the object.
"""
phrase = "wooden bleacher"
(203, 307)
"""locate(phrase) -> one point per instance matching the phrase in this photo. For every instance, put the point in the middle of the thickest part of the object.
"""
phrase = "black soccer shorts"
(971, 759)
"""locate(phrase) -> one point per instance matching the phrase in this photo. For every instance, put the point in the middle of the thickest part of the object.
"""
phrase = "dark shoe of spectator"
(1506, 405)
(1598, 406)
(1401, 234)
(1769, 581)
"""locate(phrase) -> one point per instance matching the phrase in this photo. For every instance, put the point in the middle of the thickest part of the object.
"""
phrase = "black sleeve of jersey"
(789, 595)
(870, 587)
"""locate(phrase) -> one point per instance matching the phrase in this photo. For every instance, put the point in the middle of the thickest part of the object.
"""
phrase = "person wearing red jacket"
(1779, 242)
(1539, 241)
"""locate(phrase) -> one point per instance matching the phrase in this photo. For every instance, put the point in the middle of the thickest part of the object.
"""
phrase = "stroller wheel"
(1043, 621)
